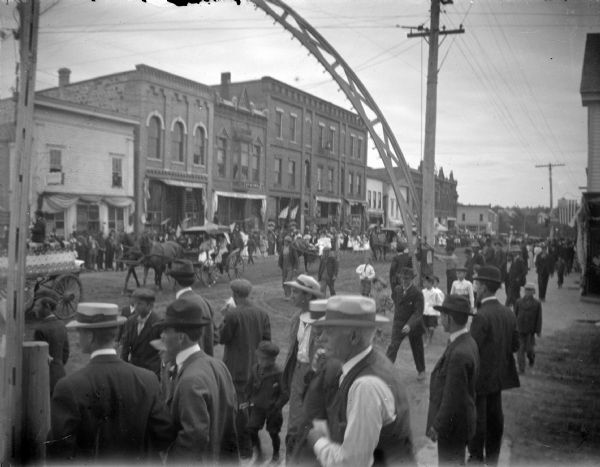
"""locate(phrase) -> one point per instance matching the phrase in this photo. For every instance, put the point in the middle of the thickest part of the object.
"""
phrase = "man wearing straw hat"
(203, 402)
(368, 419)
(451, 417)
(300, 354)
(109, 411)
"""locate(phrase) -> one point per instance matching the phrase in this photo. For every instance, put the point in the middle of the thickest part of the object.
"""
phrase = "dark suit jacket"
(329, 265)
(109, 411)
(529, 315)
(409, 306)
(243, 328)
(209, 333)
(203, 409)
(494, 328)
(52, 330)
(517, 274)
(401, 260)
(136, 348)
(452, 391)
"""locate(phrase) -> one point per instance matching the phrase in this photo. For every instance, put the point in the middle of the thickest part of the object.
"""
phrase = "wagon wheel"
(68, 287)
(235, 266)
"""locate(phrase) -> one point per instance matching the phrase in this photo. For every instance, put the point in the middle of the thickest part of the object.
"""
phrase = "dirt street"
(554, 418)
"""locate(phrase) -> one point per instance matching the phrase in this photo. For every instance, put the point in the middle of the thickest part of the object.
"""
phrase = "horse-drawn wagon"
(54, 270)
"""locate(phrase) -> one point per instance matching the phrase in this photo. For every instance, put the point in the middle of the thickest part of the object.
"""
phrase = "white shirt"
(464, 288)
(182, 291)
(184, 354)
(370, 407)
(489, 299)
(432, 297)
(95, 353)
(303, 342)
(141, 322)
(365, 271)
(455, 334)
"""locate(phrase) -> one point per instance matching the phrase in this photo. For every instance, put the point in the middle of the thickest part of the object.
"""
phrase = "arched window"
(199, 138)
(154, 142)
(177, 142)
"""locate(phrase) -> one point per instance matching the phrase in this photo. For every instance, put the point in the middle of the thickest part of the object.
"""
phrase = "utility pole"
(550, 165)
(428, 167)
(11, 355)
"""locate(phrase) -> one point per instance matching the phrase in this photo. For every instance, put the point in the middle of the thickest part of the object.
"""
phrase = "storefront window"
(116, 220)
(221, 156)
(88, 218)
(55, 223)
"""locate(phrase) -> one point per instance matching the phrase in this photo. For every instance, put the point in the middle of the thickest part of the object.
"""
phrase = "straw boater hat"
(350, 311)
(183, 313)
(488, 273)
(96, 316)
(306, 284)
(455, 304)
(317, 309)
(529, 286)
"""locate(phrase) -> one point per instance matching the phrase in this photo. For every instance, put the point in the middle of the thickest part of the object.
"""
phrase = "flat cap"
(241, 287)
(144, 294)
(268, 349)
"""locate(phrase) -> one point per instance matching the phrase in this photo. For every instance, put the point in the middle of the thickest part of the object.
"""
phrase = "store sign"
(245, 186)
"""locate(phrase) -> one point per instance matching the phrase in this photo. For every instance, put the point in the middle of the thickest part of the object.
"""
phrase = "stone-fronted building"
(173, 157)
(316, 154)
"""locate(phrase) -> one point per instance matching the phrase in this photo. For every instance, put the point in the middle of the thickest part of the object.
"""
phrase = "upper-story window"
(343, 142)
(307, 174)
(352, 145)
(463, 216)
(330, 179)
(321, 136)
(350, 182)
(117, 172)
(177, 142)
(199, 139)
(221, 156)
(277, 171)
(480, 217)
(359, 148)
(256, 151)
(279, 124)
(293, 120)
(292, 173)
(55, 160)
(379, 200)
(309, 132)
(332, 139)
(342, 181)
(244, 160)
(369, 198)
(154, 143)
(319, 178)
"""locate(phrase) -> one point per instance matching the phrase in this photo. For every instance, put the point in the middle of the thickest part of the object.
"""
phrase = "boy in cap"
(462, 286)
(528, 311)
(138, 331)
(451, 418)
(266, 398)
(52, 330)
(109, 411)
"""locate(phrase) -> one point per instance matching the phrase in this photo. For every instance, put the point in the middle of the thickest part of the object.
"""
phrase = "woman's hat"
(183, 313)
(350, 311)
(455, 304)
(488, 273)
(96, 316)
(306, 284)
(317, 309)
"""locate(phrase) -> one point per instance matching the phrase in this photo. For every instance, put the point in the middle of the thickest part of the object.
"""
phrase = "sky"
(508, 88)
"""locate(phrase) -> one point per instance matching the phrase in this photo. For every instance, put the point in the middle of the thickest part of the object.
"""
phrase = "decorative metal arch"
(357, 94)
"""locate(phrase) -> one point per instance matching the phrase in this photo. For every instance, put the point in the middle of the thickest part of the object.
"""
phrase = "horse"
(158, 256)
(302, 248)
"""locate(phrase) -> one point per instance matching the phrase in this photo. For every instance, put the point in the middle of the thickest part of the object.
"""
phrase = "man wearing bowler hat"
(184, 276)
(408, 321)
(494, 328)
(109, 411)
(244, 327)
(451, 418)
(202, 402)
(368, 419)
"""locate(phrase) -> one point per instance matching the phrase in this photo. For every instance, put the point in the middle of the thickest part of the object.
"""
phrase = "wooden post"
(20, 169)
(36, 402)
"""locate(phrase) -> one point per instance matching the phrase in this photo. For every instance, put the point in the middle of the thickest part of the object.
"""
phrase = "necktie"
(173, 371)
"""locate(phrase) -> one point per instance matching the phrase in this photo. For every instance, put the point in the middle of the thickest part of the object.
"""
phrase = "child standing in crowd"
(528, 311)
(366, 273)
(560, 271)
(463, 287)
(265, 398)
(432, 297)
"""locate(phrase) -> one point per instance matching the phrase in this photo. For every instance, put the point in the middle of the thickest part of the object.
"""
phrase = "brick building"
(82, 166)
(239, 173)
(172, 154)
(316, 154)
